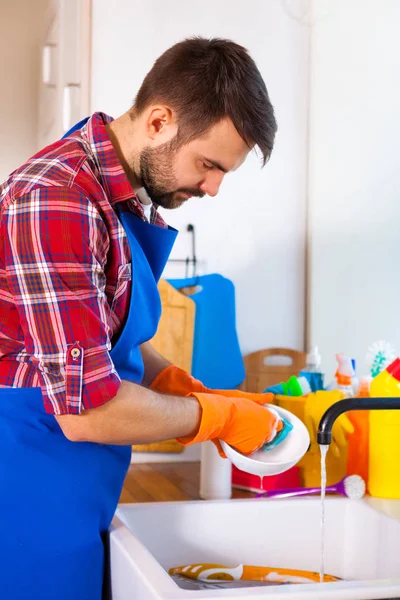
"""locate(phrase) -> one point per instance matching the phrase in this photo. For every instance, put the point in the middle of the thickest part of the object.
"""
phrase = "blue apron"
(57, 498)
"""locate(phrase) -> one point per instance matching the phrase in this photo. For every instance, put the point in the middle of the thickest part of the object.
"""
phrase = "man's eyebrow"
(216, 164)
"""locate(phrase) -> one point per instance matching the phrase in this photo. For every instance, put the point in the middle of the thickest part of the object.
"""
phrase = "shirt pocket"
(123, 279)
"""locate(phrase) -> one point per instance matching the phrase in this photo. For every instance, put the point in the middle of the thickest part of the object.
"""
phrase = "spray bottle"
(384, 438)
(344, 375)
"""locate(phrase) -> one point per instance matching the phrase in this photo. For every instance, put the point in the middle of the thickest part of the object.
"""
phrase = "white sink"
(362, 546)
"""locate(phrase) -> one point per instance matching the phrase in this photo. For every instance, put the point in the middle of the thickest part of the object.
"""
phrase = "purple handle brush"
(352, 486)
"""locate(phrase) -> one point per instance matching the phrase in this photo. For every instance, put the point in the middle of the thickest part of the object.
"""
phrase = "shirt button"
(75, 353)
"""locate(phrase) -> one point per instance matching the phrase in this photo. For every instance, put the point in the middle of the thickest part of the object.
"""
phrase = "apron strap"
(76, 127)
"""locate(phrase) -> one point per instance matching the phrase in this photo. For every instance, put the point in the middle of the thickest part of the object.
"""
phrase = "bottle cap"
(394, 369)
(314, 357)
(365, 387)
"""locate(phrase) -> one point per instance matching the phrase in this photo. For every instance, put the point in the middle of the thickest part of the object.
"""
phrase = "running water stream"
(324, 450)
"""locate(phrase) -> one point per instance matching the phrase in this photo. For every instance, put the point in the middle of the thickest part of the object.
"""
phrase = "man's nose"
(212, 182)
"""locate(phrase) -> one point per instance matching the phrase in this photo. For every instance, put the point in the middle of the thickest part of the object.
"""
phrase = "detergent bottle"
(312, 371)
(358, 441)
(384, 437)
(356, 457)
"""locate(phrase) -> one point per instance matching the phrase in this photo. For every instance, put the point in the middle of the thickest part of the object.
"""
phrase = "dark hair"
(206, 80)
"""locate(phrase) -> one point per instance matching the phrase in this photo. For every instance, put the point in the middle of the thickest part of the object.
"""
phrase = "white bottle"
(215, 474)
(313, 361)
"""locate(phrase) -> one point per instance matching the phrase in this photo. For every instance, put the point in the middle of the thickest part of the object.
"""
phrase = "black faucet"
(324, 436)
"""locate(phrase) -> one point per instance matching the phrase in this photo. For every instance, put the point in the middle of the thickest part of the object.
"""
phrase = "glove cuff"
(174, 380)
(215, 412)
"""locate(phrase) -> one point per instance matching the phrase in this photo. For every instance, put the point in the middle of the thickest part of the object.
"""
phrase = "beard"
(158, 177)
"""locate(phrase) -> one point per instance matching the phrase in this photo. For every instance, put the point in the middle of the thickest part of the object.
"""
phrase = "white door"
(355, 180)
(64, 85)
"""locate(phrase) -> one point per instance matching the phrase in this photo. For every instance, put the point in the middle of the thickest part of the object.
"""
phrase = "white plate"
(279, 459)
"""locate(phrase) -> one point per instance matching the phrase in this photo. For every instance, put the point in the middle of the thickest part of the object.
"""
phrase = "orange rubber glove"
(174, 380)
(239, 422)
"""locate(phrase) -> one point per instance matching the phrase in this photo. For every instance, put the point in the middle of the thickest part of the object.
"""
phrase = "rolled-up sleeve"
(56, 246)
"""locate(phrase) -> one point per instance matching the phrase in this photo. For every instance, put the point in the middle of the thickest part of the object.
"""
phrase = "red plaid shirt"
(65, 270)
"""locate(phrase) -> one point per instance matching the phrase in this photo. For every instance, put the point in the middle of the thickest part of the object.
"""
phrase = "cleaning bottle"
(344, 375)
(384, 438)
(215, 474)
(380, 354)
(364, 390)
(312, 371)
(358, 441)
(357, 447)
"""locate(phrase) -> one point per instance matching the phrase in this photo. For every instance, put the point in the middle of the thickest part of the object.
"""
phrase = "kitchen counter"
(163, 482)
(172, 482)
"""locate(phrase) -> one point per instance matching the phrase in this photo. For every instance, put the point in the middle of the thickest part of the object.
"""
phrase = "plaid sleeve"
(55, 251)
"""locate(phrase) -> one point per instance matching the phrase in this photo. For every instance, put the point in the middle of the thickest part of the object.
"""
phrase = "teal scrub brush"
(380, 355)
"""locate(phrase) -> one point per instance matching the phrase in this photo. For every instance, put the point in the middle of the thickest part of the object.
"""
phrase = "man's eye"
(208, 167)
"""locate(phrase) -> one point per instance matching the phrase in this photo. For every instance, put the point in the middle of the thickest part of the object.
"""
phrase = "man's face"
(172, 175)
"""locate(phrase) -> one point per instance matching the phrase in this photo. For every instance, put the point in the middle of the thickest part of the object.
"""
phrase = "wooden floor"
(162, 482)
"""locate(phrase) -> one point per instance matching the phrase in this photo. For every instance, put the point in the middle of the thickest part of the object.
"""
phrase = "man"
(82, 247)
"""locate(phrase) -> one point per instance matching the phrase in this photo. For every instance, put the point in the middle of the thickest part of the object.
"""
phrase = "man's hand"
(239, 422)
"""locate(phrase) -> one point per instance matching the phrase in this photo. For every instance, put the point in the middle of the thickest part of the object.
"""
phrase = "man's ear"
(161, 125)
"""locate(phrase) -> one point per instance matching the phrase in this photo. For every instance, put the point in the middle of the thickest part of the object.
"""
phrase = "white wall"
(254, 231)
(21, 30)
(355, 178)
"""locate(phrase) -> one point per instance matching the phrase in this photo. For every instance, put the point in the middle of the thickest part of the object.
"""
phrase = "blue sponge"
(280, 436)
(277, 389)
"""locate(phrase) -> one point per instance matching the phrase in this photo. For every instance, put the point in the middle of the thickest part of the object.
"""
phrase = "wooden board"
(175, 333)
(174, 341)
